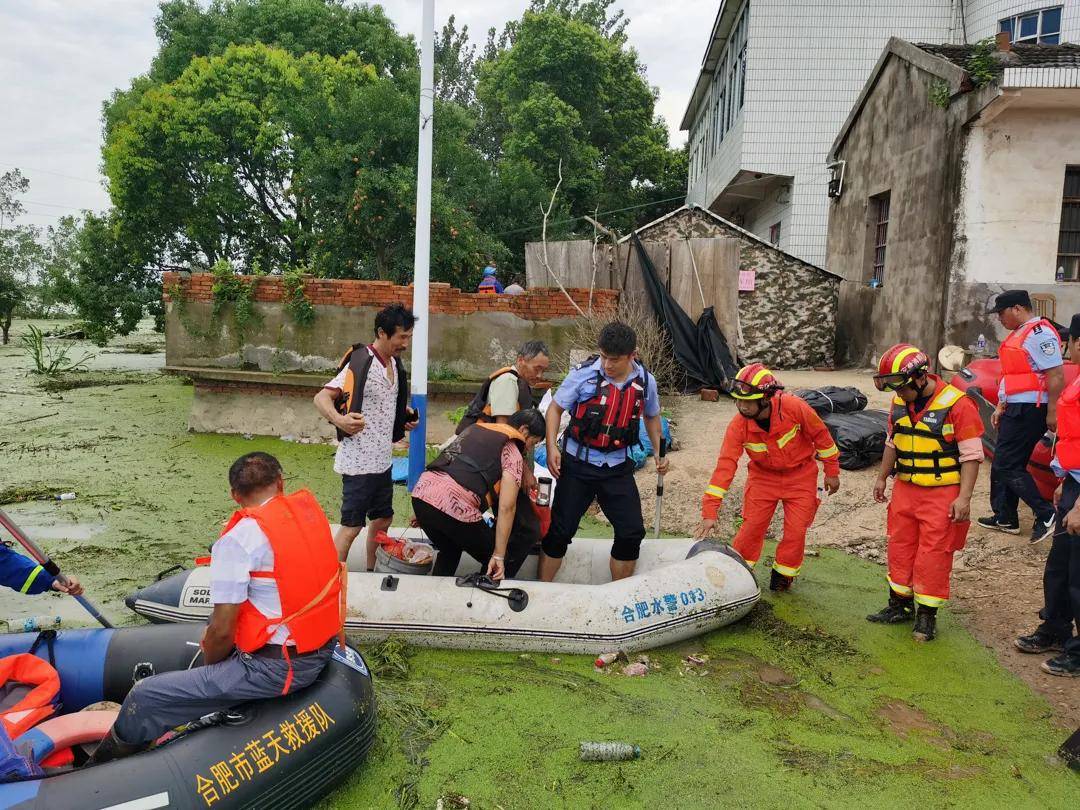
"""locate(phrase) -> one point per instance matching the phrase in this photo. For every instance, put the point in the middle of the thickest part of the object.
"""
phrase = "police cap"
(1010, 298)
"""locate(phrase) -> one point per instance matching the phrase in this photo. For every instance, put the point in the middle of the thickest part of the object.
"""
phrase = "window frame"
(774, 233)
(1011, 25)
(881, 206)
(1071, 264)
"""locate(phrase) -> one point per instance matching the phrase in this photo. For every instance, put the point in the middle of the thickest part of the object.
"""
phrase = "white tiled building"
(780, 76)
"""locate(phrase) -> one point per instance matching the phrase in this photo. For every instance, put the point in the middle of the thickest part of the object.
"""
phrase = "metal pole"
(422, 254)
(46, 562)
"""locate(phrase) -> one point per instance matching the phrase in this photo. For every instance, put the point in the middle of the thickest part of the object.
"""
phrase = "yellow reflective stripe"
(900, 358)
(828, 452)
(716, 492)
(787, 572)
(759, 376)
(787, 437)
(30, 579)
(947, 429)
(929, 601)
(903, 590)
(751, 563)
(760, 448)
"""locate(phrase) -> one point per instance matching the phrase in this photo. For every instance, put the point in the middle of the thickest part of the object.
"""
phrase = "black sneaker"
(1065, 665)
(896, 612)
(925, 625)
(999, 526)
(780, 582)
(1038, 642)
(1042, 529)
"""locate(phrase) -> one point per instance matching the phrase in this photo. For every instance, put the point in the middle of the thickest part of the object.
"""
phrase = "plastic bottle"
(604, 659)
(66, 496)
(980, 344)
(32, 624)
(608, 751)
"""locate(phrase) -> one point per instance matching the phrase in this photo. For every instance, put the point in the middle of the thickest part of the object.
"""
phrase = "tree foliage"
(283, 134)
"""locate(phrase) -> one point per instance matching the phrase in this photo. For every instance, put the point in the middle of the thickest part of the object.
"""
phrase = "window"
(730, 78)
(774, 234)
(879, 207)
(1068, 260)
(1034, 27)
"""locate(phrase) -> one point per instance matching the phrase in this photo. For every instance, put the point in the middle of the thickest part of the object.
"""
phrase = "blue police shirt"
(1044, 351)
(580, 386)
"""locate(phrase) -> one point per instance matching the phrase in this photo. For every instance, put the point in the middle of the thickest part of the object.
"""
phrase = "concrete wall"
(1010, 210)
(261, 380)
(903, 144)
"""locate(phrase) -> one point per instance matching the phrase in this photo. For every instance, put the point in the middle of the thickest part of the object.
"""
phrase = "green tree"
(12, 186)
(567, 92)
(111, 286)
(20, 262)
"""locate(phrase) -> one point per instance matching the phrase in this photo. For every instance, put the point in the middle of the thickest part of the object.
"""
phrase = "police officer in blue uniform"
(1031, 380)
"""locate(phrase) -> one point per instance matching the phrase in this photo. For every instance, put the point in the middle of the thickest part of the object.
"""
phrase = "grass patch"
(92, 379)
(29, 492)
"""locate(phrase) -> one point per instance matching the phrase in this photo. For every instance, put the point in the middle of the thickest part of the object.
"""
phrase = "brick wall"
(534, 305)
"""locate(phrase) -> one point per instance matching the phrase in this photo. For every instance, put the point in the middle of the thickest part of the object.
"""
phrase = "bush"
(654, 346)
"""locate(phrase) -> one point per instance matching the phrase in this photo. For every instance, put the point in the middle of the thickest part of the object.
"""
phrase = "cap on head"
(1010, 298)
(754, 381)
(489, 271)
(1074, 327)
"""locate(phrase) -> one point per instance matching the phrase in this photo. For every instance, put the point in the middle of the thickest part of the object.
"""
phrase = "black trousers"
(1061, 580)
(1022, 425)
(451, 537)
(613, 488)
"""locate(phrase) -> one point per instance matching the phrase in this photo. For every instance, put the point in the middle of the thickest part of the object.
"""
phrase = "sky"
(61, 59)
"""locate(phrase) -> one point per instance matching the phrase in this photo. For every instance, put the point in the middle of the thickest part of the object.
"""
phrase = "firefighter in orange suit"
(934, 450)
(783, 437)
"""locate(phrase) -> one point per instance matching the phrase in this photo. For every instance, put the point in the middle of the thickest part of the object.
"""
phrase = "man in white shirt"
(368, 404)
(248, 651)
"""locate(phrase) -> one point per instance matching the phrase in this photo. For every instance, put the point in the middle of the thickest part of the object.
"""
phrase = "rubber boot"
(111, 747)
(925, 624)
(900, 609)
(780, 582)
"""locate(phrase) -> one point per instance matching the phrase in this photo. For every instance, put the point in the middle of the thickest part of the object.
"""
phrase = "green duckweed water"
(803, 705)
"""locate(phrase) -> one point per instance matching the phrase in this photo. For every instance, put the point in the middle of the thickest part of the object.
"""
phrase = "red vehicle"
(980, 381)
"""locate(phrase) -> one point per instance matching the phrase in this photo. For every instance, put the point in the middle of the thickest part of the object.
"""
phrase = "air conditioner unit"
(836, 178)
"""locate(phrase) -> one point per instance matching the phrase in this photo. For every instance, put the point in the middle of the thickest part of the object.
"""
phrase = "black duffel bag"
(833, 399)
(859, 436)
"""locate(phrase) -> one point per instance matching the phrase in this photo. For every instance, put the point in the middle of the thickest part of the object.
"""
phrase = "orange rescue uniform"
(783, 469)
(922, 537)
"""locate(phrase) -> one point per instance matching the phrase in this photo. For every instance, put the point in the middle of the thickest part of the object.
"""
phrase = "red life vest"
(1068, 426)
(1016, 369)
(610, 420)
(308, 575)
(27, 670)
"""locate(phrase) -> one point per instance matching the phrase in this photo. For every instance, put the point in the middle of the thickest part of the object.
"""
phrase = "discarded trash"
(696, 660)
(32, 624)
(636, 669)
(609, 658)
(65, 496)
(556, 660)
(608, 751)
(288, 438)
(248, 437)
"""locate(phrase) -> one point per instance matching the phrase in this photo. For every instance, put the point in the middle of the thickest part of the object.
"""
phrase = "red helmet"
(754, 382)
(897, 366)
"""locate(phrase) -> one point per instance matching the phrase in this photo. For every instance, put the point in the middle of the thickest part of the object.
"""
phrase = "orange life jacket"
(40, 702)
(1016, 369)
(308, 575)
(1068, 426)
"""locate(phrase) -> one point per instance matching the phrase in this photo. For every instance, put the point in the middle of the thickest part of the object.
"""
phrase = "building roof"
(730, 226)
(1022, 66)
(1027, 56)
(721, 29)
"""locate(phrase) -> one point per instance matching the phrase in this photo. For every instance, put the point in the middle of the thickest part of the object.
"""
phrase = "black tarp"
(699, 347)
(860, 436)
(833, 399)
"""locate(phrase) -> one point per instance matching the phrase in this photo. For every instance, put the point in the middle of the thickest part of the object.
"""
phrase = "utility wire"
(55, 174)
(598, 215)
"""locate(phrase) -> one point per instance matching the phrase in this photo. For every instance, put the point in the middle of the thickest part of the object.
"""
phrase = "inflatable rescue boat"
(284, 752)
(681, 588)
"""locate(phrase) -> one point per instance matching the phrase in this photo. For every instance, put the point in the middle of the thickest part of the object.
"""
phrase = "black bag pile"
(833, 399)
(859, 434)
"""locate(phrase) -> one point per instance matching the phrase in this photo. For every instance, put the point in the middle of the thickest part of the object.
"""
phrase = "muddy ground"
(803, 704)
(997, 581)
